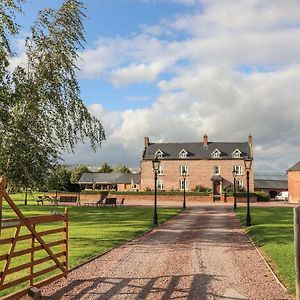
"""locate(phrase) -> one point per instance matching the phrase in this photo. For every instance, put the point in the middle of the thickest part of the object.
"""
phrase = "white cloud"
(205, 90)
(136, 73)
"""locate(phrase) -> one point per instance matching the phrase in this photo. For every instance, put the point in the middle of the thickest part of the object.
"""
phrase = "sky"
(174, 70)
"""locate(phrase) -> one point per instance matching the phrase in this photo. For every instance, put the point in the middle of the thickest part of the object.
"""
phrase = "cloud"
(226, 68)
(136, 74)
(225, 104)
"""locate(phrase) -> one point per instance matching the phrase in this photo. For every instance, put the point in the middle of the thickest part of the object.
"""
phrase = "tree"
(41, 112)
(121, 169)
(105, 168)
(59, 179)
(77, 172)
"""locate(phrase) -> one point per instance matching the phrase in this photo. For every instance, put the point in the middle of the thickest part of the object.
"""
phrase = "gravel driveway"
(201, 254)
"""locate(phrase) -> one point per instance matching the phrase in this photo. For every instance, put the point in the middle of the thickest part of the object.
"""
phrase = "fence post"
(32, 259)
(297, 249)
(2, 187)
(65, 245)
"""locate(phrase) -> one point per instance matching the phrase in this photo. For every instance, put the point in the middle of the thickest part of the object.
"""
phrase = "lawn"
(272, 231)
(94, 230)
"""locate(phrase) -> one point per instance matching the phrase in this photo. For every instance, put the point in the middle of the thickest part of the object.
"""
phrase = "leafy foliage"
(121, 169)
(105, 168)
(77, 172)
(41, 112)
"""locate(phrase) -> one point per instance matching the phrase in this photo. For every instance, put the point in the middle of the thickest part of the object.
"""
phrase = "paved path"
(201, 254)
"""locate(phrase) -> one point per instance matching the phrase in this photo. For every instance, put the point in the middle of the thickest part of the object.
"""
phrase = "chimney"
(250, 147)
(146, 141)
(205, 140)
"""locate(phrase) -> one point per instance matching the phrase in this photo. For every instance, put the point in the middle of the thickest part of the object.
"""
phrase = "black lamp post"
(234, 173)
(184, 181)
(155, 164)
(248, 163)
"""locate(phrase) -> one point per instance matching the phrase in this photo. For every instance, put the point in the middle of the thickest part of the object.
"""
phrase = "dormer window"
(236, 153)
(159, 154)
(183, 154)
(216, 153)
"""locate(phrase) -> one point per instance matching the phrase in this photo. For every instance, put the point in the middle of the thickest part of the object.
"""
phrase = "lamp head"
(234, 172)
(184, 173)
(248, 163)
(155, 164)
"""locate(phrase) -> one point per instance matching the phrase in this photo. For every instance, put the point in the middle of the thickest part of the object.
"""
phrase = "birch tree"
(42, 113)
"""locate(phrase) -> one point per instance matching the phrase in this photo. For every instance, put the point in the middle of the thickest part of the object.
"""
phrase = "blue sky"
(174, 70)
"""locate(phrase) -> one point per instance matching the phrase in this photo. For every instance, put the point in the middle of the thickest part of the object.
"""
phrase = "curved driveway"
(201, 254)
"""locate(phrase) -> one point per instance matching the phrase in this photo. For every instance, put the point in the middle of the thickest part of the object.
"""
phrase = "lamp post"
(184, 181)
(155, 164)
(248, 163)
(234, 173)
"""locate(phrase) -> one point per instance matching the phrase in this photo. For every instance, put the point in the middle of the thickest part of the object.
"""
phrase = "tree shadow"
(138, 288)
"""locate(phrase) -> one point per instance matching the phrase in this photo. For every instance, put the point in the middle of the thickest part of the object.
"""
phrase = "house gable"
(216, 153)
(159, 154)
(236, 153)
(183, 154)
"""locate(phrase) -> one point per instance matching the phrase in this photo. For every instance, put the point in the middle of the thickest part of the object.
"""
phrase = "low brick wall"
(137, 197)
(180, 197)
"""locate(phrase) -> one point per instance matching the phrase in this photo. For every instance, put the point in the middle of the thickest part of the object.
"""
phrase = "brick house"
(294, 183)
(207, 164)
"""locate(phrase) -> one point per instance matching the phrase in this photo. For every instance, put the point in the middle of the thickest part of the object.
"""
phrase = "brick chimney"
(205, 140)
(146, 141)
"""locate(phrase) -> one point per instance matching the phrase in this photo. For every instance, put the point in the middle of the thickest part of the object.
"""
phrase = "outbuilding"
(294, 183)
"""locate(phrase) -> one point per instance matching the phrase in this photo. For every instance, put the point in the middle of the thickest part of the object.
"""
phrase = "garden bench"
(110, 202)
(68, 199)
(121, 203)
(39, 200)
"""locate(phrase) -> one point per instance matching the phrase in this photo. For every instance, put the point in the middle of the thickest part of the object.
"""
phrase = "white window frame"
(239, 170)
(239, 183)
(183, 168)
(160, 170)
(181, 185)
(236, 153)
(216, 153)
(160, 184)
(219, 170)
(159, 154)
(183, 154)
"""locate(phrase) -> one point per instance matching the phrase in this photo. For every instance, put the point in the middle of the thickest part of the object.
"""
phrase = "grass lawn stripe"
(92, 230)
(272, 232)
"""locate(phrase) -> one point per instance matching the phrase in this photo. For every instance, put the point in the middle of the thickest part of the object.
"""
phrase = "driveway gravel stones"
(203, 253)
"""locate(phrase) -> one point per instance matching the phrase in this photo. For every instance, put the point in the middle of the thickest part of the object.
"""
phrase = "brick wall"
(179, 198)
(200, 172)
(294, 186)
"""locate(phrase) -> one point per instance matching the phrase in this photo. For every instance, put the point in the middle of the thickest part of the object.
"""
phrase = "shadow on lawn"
(160, 287)
(271, 225)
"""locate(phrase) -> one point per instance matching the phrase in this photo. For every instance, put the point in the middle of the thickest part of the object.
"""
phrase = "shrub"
(262, 196)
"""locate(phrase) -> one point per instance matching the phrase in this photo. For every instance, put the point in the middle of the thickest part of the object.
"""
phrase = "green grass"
(272, 232)
(92, 230)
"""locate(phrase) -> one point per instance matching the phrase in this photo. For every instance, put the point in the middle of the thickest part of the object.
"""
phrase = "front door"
(217, 190)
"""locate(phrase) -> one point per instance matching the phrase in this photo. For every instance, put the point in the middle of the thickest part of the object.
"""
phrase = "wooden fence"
(33, 250)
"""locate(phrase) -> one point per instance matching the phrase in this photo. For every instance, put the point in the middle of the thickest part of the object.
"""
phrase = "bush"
(262, 196)
(201, 188)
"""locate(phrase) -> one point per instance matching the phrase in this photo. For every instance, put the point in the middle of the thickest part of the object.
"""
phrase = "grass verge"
(272, 232)
(92, 230)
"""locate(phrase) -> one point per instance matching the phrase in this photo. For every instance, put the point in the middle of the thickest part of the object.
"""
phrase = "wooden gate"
(33, 250)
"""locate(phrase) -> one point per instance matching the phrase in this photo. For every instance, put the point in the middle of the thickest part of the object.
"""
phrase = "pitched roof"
(295, 167)
(109, 178)
(270, 184)
(195, 150)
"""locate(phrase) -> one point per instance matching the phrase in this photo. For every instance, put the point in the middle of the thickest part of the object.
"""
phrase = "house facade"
(294, 183)
(207, 164)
